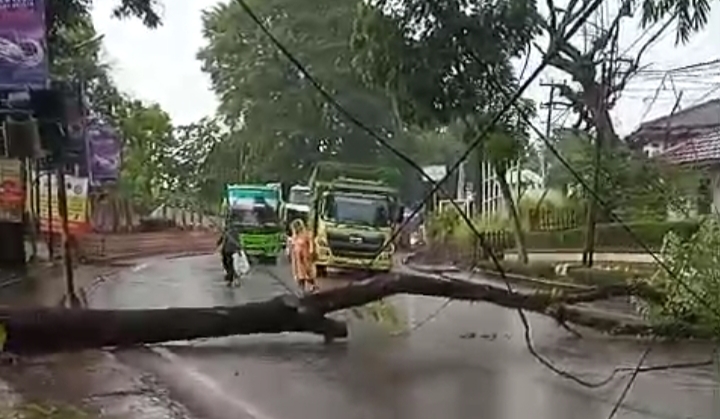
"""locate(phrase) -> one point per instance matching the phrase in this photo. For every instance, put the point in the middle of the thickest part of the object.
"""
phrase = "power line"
(630, 383)
(607, 209)
(589, 9)
(507, 106)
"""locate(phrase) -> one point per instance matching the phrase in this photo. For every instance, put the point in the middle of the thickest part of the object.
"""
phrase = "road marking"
(210, 384)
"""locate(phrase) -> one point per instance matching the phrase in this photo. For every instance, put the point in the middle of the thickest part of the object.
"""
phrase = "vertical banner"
(23, 49)
(77, 203)
(103, 145)
(12, 191)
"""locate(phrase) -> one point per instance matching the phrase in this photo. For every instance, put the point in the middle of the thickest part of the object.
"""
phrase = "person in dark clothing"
(230, 246)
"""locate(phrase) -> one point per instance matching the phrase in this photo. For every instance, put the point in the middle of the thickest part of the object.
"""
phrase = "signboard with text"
(23, 49)
(12, 191)
(77, 203)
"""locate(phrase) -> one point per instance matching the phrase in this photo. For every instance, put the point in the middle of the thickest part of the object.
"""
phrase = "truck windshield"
(253, 216)
(299, 197)
(370, 211)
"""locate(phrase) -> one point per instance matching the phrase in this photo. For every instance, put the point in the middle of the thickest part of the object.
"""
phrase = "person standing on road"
(301, 256)
(229, 246)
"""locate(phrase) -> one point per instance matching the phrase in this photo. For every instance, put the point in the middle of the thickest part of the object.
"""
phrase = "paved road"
(440, 370)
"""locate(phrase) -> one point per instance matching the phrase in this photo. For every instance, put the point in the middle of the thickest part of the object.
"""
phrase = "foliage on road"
(693, 284)
(44, 411)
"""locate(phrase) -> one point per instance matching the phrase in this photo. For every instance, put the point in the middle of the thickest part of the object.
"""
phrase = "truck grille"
(345, 244)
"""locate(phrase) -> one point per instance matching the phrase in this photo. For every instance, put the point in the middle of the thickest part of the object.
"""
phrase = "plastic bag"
(241, 263)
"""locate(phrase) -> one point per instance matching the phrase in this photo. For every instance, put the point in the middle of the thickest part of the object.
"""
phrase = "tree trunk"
(57, 329)
(596, 101)
(514, 216)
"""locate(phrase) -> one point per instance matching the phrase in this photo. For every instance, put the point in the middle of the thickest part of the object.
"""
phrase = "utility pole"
(72, 297)
(50, 241)
(548, 129)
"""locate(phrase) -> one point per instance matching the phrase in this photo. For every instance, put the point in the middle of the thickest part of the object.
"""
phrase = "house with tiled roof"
(690, 138)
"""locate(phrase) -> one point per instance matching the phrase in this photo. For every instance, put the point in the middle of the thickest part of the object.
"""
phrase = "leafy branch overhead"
(419, 54)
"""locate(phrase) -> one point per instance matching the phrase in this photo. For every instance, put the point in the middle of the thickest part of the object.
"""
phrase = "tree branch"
(635, 63)
(48, 330)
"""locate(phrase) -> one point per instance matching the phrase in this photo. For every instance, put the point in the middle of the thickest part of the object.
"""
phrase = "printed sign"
(103, 145)
(77, 203)
(12, 191)
(436, 173)
(23, 57)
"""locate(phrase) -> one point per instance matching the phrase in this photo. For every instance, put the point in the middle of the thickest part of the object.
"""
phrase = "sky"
(160, 66)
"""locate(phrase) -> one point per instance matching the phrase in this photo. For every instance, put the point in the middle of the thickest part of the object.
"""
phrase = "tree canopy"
(280, 125)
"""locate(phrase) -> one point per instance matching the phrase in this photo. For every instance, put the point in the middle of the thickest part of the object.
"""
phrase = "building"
(690, 138)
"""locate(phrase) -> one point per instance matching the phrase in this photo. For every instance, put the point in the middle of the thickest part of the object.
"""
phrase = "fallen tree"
(57, 329)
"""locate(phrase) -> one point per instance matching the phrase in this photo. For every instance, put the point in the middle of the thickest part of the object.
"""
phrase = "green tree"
(419, 53)
(147, 136)
(64, 15)
(279, 124)
(638, 187)
(192, 177)
(600, 73)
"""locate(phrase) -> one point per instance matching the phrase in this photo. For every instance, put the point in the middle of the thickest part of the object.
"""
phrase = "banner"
(23, 57)
(77, 203)
(12, 191)
(103, 145)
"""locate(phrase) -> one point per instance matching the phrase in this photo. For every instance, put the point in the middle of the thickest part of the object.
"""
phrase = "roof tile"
(700, 149)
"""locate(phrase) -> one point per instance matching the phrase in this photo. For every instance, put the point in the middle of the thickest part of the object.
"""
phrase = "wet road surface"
(468, 361)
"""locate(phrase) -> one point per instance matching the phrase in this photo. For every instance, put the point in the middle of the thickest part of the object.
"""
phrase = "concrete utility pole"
(548, 128)
(72, 297)
(551, 105)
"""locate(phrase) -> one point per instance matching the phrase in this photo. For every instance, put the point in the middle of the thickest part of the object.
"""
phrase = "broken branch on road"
(57, 329)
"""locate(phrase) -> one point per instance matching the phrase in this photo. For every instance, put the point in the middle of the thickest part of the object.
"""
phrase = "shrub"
(693, 288)
(612, 236)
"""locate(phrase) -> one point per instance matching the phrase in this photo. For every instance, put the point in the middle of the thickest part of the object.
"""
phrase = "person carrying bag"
(229, 247)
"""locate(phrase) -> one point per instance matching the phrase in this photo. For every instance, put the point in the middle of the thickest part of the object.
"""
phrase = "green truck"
(353, 214)
(253, 211)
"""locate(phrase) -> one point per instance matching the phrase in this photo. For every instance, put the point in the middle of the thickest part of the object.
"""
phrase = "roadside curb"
(495, 276)
(535, 282)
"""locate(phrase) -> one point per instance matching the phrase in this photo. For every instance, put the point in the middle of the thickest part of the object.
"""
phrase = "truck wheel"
(321, 271)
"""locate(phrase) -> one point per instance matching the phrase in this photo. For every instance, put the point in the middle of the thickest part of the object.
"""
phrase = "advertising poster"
(77, 202)
(103, 145)
(23, 50)
(12, 191)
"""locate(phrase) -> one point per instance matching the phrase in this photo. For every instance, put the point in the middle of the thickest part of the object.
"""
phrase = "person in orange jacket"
(301, 256)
